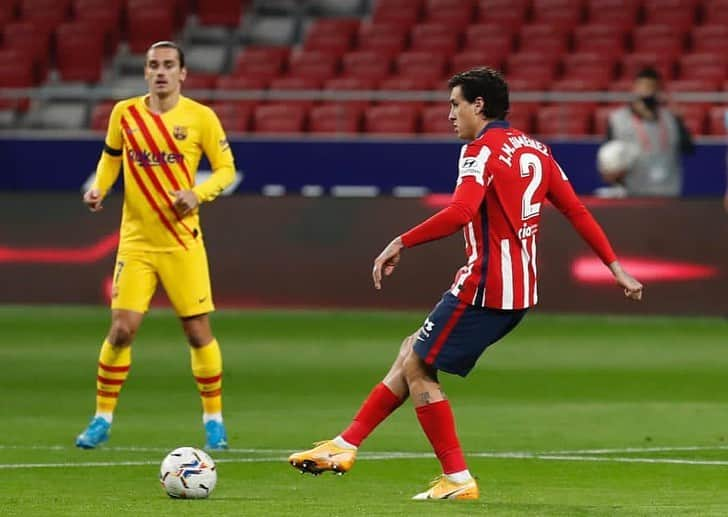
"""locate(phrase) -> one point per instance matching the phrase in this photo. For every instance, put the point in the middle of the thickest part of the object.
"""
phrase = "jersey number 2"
(530, 164)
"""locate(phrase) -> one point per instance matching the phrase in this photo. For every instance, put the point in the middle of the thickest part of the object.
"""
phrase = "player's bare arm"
(93, 199)
(185, 201)
(632, 288)
(387, 261)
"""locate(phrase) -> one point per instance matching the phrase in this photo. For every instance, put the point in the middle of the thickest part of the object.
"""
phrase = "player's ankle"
(211, 417)
(340, 442)
(460, 477)
(109, 417)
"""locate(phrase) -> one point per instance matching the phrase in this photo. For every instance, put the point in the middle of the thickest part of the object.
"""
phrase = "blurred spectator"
(659, 134)
(725, 196)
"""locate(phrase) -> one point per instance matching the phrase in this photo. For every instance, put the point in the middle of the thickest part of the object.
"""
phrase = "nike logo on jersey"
(201, 300)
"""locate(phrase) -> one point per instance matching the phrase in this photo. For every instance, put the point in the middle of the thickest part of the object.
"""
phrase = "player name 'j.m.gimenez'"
(516, 142)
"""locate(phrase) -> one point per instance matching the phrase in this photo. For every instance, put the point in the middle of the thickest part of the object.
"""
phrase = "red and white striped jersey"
(504, 178)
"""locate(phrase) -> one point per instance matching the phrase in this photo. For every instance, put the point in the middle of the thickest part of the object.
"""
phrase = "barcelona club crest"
(179, 132)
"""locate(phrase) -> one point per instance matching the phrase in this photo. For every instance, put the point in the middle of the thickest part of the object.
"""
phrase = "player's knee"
(121, 333)
(405, 348)
(413, 366)
(198, 335)
(198, 340)
(197, 330)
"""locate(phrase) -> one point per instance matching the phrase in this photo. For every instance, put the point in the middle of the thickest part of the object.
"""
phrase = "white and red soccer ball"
(188, 473)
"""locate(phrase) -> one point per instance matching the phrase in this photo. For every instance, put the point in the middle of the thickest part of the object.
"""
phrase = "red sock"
(380, 403)
(439, 425)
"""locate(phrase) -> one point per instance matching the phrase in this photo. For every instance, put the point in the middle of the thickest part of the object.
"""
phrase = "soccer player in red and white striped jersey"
(504, 179)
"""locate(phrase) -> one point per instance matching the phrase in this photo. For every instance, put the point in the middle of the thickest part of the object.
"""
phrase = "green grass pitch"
(568, 415)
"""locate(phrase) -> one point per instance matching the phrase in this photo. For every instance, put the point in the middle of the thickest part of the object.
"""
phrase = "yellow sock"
(114, 363)
(207, 369)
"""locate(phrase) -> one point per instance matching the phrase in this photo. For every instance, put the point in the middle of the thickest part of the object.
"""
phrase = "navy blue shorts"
(455, 334)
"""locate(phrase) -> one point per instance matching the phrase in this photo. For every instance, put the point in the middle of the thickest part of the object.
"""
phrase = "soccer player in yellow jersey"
(158, 138)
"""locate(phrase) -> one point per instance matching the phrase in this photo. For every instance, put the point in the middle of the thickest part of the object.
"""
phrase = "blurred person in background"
(659, 137)
(159, 138)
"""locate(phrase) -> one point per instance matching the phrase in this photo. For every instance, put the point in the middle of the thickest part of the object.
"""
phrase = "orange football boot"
(326, 456)
(443, 488)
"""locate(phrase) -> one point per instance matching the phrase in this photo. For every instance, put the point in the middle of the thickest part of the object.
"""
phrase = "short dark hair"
(170, 44)
(487, 83)
(649, 72)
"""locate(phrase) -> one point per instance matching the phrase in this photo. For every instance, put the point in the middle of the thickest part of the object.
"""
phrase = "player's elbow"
(463, 219)
(226, 175)
(573, 211)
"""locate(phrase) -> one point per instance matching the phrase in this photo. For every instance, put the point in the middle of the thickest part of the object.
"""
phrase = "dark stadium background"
(336, 112)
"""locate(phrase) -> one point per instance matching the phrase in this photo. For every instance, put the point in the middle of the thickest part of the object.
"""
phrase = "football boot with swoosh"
(443, 488)
(325, 456)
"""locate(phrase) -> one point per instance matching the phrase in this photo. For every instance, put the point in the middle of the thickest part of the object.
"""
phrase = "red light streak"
(81, 255)
(591, 270)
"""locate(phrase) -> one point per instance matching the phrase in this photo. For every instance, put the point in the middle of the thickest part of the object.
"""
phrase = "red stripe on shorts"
(454, 318)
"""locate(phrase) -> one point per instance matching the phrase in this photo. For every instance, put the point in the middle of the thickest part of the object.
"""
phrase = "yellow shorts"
(184, 274)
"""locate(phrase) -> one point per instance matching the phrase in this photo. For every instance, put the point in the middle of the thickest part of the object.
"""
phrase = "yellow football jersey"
(160, 154)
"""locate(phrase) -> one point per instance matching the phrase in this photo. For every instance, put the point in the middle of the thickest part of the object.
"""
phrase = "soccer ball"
(616, 156)
(188, 473)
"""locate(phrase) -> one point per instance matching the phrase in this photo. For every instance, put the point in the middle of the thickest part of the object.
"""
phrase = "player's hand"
(93, 198)
(386, 261)
(185, 201)
(632, 288)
